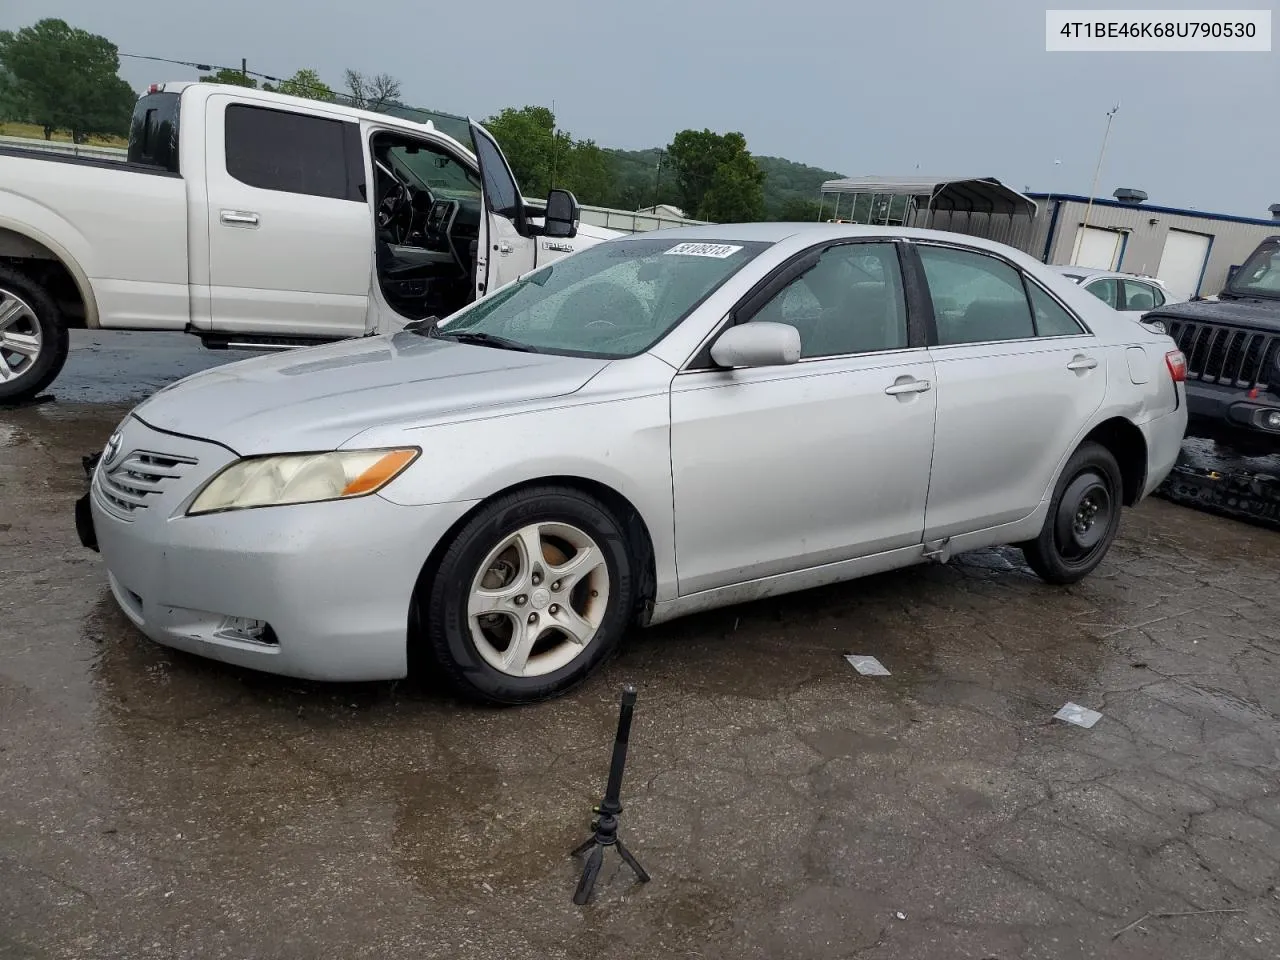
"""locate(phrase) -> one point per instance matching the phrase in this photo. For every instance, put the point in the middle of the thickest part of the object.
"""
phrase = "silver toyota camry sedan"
(657, 425)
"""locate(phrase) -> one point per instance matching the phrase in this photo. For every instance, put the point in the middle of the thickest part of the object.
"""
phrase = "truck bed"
(69, 158)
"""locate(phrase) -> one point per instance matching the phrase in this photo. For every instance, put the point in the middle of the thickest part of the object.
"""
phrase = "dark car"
(1232, 346)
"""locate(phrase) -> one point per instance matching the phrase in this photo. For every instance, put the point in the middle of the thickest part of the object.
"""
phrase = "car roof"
(774, 232)
(1092, 272)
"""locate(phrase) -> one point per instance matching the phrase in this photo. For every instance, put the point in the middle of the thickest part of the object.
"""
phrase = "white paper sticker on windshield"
(720, 251)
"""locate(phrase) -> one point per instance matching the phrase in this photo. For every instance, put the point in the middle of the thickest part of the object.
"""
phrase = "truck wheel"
(1084, 517)
(33, 338)
(530, 597)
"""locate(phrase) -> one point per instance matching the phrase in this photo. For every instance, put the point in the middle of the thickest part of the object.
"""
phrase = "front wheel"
(531, 596)
(1083, 519)
(33, 338)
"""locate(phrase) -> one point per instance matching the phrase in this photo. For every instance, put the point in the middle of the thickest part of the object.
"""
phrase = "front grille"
(140, 478)
(1229, 355)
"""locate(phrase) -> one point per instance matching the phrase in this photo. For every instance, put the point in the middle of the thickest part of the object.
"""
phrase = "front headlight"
(301, 478)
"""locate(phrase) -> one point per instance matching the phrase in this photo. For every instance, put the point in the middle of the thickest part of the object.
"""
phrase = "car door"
(777, 469)
(506, 247)
(289, 230)
(1017, 378)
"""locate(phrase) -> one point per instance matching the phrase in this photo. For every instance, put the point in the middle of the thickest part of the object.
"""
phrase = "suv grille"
(1228, 355)
(140, 478)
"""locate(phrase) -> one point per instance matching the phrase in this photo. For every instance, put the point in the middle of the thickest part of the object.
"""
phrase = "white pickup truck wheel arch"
(43, 247)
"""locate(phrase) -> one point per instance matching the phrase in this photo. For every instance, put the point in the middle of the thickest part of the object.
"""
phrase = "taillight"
(154, 88)
(1177, 365)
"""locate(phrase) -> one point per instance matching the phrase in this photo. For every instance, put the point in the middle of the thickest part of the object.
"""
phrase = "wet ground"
(156, 805)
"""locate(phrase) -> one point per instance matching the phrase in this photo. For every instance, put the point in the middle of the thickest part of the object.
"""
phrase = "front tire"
(33, 338)
(531, 597)
(1083, 519)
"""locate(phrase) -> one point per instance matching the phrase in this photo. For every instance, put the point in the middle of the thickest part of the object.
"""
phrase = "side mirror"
(562, 214)
(757, 344)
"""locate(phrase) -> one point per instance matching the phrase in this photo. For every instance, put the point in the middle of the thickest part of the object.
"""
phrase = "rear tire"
(532, 595)
(33, 338)
(1083, 519)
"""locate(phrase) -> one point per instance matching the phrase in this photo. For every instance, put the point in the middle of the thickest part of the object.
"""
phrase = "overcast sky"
(935, 86)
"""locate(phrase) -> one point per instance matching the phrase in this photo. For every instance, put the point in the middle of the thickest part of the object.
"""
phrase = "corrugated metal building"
(977, 206)
(1190, 250)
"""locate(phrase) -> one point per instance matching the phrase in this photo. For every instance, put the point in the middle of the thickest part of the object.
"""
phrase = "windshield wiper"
(484, 340)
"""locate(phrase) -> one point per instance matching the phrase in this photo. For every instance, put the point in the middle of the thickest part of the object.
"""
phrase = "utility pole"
(1088, 207)
(244, 67)
(657, 178)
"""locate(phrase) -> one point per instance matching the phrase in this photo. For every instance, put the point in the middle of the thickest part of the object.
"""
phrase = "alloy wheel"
(538, 599)
(21, 338)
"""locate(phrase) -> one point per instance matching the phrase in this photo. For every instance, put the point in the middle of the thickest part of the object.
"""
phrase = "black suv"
(1232, 346)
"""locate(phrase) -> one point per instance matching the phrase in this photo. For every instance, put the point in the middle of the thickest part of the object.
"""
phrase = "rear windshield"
(153, 131)
(1260, 275)
(616, 299)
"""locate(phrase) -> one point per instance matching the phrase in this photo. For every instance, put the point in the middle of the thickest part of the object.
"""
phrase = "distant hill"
(638, 176)
(787, 181)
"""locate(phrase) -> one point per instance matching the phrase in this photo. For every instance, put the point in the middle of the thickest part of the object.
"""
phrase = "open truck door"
(508, 245)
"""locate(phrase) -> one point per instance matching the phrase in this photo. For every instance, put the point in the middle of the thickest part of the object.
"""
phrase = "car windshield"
(616, 299)
(1260, 275)
(444, 175)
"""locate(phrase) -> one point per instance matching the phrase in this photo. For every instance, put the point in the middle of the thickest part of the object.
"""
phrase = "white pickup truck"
(255, 219)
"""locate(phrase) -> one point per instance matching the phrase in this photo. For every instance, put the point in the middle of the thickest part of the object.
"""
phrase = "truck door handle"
(1081, 362)
(239, 218)
(908, 385)
(504, 247)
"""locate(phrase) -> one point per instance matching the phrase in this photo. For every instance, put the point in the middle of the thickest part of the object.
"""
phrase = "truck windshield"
(439, 172)
(1260, 275)
(613, 300)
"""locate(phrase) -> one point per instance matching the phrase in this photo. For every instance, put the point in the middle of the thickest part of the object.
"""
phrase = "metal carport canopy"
(972, 194)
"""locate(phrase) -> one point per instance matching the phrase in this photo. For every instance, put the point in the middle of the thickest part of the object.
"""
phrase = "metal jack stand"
(606, 822)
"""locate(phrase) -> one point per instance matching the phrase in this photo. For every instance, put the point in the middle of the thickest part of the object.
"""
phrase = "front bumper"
(1218, 411)
(333, 581)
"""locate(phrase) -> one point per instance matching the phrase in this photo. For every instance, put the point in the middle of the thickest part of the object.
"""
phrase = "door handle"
(908, 386)
(239, 218)
(504, 247)
(1082, 363)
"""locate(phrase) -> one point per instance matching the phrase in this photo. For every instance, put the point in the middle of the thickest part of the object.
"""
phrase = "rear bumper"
(1164, 442)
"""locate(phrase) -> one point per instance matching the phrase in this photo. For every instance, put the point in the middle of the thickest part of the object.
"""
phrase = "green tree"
(543, 156)
(64, 78)
(589, 172)
(796, 210)
(718, 178)
(531, 144)
(231, 76)
(306, 83)
(736, 194)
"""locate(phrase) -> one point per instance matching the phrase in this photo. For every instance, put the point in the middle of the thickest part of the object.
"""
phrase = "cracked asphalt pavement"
(153, 804)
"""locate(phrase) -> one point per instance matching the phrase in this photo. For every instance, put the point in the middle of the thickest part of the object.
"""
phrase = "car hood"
(1261, 314)
(320, 397)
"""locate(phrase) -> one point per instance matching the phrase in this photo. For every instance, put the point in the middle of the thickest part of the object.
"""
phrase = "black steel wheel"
(1083, 519)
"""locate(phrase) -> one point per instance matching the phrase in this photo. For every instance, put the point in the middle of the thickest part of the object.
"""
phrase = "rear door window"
(289, 152)
(976, 298)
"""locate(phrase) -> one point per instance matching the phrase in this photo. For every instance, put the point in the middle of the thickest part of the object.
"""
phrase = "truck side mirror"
(562, 214)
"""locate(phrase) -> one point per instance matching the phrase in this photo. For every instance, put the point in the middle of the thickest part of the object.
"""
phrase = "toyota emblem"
(112, 449)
